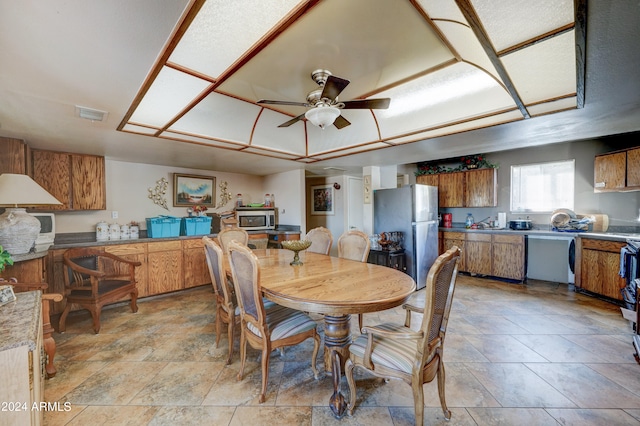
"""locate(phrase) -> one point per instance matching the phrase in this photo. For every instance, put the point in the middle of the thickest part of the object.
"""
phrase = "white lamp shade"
(322, 116)
(20, 190)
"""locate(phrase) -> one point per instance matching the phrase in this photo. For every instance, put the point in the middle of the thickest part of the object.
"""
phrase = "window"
(542, 187)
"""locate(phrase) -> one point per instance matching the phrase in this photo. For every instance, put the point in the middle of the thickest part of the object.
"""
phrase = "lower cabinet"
(196, 271)
(598, 267)
(136, 252)
(164, 263)
(497, 255)
(26, 271)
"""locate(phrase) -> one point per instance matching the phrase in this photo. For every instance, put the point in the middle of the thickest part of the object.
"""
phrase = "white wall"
(289, 193)
(128, 193)
(335, 222)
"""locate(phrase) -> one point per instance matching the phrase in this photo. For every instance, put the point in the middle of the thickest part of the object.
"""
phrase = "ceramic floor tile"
(512, 416)
(556, 348)
(627, 376)
(362, 416)
(180, 383)
(70, 374)
(403, 416)
(462, 389)
(192, 415)
(267, 416)
(586, 387)
(503, 348)
(114, 415)
(493, 324)
(581, 417)
(515, 385)
(610, 348)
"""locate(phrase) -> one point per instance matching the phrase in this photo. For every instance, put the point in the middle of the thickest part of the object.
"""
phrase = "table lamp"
(18, 229)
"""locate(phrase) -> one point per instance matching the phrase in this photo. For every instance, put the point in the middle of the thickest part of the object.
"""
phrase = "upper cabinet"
(76, 180)
(617, 171)
(14, 155)
(471, 188)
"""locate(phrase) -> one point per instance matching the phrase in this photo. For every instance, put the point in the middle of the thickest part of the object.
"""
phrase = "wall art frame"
(190, 190)
(322, 200)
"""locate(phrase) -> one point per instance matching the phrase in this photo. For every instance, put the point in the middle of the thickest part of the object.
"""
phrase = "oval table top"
(331, 285)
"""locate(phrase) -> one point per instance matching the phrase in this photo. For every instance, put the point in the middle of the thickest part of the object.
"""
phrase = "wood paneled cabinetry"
(76, 180)
(26, 271)
(497, 255)
(472, 188)
(617, 171)
(166, 266)
(450, 239)
(598, 267)
(196, 271)
(164, 263)
(14, 156)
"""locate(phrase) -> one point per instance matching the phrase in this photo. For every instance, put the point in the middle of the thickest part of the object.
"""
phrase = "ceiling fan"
(324, 105)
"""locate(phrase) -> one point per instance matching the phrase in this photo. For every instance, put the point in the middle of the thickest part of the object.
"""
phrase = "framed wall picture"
(189, 190)
(322, 200)
(366, 187)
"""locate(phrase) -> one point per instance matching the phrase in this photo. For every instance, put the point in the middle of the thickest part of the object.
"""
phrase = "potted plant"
(5, 259)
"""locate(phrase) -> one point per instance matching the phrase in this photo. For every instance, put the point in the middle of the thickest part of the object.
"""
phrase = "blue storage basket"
(200, 225)
(163, 226)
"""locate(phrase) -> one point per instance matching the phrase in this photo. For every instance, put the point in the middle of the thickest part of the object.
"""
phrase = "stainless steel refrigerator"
(413, 210)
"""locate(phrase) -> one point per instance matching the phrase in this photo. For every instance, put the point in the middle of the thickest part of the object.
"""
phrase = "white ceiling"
(57, 55)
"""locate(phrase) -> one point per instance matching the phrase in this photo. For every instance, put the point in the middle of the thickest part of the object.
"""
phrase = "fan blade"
(341, 122)
(381, 103)
(333, 87)
(268, 102)
(293, 120)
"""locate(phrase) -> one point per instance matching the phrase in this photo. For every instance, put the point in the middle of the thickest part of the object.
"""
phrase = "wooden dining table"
(336, 288)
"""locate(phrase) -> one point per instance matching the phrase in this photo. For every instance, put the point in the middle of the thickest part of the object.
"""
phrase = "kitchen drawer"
(477, 236)
(453, 235)
(193, 243)
(125, 249)
(164, 246)
(602, 245)
(508, 239)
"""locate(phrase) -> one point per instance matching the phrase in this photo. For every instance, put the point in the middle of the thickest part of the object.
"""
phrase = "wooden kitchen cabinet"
(472, 188)
(451, 190)
(481, 188)
(478, 253)
(450, 239)
(136, 252)
(509, 257)
(27, 271)
(260, 241)
(598, 267)
(165, 267)
(196, 271)
(76, 180)
(14, 156)
(633, 168)
(609, 172)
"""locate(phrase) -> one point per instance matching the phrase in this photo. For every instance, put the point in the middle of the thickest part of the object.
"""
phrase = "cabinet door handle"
(600, 184)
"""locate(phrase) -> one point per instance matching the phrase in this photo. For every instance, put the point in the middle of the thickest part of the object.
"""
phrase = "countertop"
(19, 321)
(549, 234)
(86, 239)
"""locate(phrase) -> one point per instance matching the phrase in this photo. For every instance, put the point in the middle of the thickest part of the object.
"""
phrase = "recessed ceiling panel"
(268, 134)
(201, 140)
(223, 31)
(139, 129)
(170, 92)
(221, 117)
(442, 10)
(545, 70)
(452, 94)
(509, 23)
(362, 130)
(550, 107)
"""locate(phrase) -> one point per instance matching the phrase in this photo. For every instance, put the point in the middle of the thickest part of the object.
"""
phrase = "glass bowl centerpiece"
(295, 246)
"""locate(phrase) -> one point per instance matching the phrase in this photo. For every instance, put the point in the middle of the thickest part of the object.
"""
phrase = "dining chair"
(321, 240)
(94, 278)
(226, 235)
(396, 351)
(265, 329)
(354, 245)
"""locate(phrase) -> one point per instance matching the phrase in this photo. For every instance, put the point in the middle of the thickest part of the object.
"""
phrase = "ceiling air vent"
(91, 114)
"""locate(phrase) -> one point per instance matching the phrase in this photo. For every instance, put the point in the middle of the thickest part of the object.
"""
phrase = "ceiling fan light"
(322, 116)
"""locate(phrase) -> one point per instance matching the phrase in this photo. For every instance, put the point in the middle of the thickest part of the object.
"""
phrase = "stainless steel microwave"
(253, 219)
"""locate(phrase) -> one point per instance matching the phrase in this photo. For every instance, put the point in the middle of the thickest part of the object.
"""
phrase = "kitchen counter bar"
(548, 234)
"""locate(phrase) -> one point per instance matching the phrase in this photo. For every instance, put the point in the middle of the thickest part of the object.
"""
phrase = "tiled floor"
(535, 354)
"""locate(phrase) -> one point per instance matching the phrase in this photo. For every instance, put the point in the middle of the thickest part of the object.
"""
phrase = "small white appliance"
(47, 230)
(256, 218)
